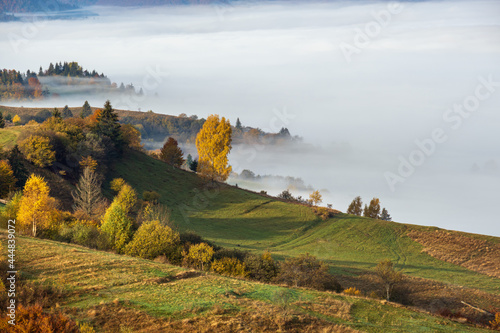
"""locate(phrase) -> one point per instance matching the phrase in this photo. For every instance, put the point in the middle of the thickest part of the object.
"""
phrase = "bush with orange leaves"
(495, 323)
(33, 319)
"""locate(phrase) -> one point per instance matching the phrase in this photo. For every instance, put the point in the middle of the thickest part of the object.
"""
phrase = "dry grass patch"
(475, 254)
(328, 307)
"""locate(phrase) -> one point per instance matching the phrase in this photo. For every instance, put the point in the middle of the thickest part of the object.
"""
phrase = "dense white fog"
(361, 82)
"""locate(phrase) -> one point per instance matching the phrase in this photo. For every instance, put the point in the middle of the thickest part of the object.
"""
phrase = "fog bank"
(400, 103)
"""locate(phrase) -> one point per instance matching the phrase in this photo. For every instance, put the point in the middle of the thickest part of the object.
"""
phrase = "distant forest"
(58, 79)
(27, 6)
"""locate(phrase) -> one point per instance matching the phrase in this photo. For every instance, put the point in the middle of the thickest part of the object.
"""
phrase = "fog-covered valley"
(398, 101)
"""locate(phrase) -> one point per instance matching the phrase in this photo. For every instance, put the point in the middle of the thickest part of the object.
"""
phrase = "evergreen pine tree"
(56, 113)
(15, 159)
(86, 110)
(385, 215)
(66, 112)
(2, 121)
(107, 124)
(238, 124)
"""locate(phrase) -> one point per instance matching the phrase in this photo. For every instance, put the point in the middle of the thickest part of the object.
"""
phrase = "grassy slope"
(8, 136)
(237, 218)
(96, 280)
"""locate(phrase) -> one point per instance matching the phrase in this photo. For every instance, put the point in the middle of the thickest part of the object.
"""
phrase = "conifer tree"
(86, 110)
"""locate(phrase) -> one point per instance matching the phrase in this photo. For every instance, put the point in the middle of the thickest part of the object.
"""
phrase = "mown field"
(118, 293)
(8, 136)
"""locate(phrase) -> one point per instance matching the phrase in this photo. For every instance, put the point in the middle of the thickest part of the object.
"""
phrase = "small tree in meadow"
(201, 253)
(385, 271)
(152, 240)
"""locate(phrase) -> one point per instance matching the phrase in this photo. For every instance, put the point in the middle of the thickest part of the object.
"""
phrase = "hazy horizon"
(360, 82)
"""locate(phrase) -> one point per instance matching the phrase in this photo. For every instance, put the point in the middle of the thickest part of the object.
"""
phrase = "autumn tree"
(87, 195)
(153, 239)
(37, 209)
(385, 271)
(356, 207)
(16, 120)
(201, 253)
(171, 153)
(7, 179)
(315, 198)
(86, 110)
(373, 210)
(38, 150)
(307, 271)
(2, 121)
(88, 163)
(385, 216)
(116, 223)
(66, 112)
(214, 144)
(131, 136)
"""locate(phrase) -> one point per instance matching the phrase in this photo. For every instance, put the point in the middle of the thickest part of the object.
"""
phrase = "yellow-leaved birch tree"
(37, 209)
(214, 144)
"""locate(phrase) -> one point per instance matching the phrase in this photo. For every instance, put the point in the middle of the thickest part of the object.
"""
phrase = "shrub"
(261, 268)
(307, 271)
(151, 196)
(11, 209)
(230, 267)
(85, 234)
(190, 238)
(200, 253)
(33, 319)
(117, 184)
(86, 328)
(495, 323)
(152, 240)
(352, 291)
(323, 212)
(230, 253)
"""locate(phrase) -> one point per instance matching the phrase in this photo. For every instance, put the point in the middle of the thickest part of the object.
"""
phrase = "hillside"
(117, 293)
(443, 269)
(351, 245)
(157, 126)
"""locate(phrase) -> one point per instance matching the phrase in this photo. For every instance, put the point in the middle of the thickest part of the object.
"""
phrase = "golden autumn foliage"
(7, 179)
(315, 198)
(116, 223)
(37, 210)
(214, 144)
(16, 120)
(201, 253)
(38, 150)
(33, 319)
(131, 136)
(88, 162)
